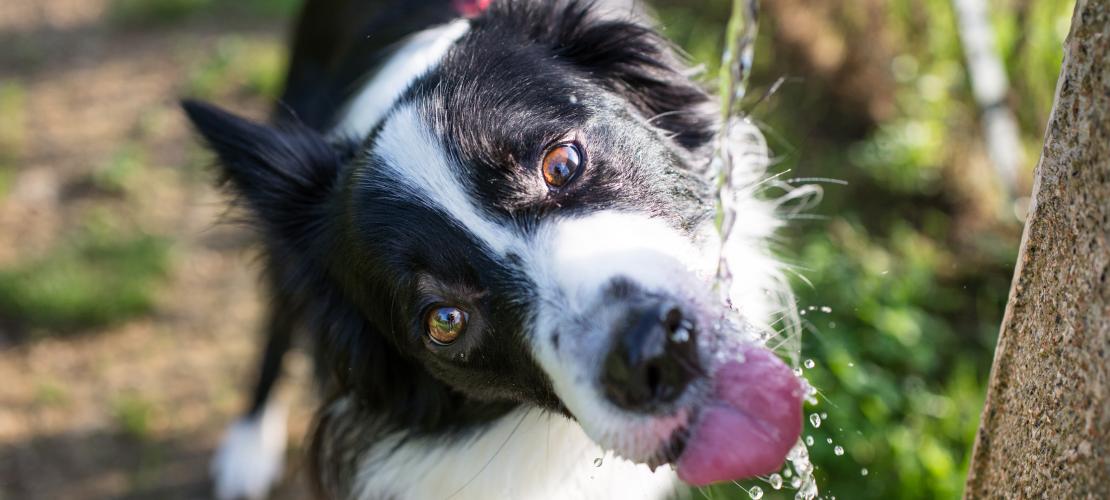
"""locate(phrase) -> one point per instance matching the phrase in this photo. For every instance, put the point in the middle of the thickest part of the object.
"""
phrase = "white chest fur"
(528, 454)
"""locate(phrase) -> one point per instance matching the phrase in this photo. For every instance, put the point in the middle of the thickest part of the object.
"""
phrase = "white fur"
(528, 454)
(409, 150)
(417, 55)
(249, 461)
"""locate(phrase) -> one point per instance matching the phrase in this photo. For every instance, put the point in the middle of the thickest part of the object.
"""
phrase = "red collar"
(470, 8)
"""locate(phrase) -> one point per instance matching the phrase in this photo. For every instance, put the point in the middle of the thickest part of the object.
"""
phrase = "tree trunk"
(1045, 430)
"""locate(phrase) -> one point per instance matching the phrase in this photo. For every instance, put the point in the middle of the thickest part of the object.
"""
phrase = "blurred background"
(129, 308)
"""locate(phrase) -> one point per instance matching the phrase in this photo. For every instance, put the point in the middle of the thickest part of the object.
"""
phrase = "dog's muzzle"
(654, 356)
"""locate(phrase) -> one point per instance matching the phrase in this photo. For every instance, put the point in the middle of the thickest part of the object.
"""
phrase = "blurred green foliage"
(908, 270)
(138, 13)
(118, 173)
(238, 68)
(96, 278)
(133, 415)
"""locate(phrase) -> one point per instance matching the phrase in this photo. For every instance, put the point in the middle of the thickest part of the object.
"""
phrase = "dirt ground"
(134, 410)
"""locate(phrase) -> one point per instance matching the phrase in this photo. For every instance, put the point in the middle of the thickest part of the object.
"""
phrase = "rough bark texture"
(1046, 426)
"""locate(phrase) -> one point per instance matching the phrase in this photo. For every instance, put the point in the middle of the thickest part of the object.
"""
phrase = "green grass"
(133, 416)
(12, 130)
(95, 279)
(138, 13)
(119, 173)
(51, 393)
(239, 68)
(146, 12)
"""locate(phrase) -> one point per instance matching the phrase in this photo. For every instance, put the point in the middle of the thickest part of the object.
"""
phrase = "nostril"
(652, 361)
(654, 378)
(672, 319)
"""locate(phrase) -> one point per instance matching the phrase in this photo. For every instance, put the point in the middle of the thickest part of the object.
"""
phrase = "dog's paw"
(249, 461)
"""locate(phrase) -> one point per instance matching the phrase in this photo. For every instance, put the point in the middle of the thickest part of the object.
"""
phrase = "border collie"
(494, 222)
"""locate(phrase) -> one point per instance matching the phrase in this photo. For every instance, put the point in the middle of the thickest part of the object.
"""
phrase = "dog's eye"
(561, 163)
(444, 324)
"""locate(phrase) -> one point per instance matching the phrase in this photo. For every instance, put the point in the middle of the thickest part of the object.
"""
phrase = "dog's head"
(529, 223)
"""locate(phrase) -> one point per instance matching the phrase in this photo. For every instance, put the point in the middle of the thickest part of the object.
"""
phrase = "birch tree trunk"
(1045, 430)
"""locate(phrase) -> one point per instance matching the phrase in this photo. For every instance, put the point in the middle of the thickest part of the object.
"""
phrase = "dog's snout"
(653, 358)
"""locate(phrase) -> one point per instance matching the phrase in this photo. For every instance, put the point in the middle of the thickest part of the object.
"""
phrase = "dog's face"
(528, 223)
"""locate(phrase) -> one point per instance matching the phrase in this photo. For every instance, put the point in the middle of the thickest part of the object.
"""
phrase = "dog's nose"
(654, 357)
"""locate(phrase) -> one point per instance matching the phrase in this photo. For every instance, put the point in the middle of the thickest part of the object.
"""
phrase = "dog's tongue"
(753, 422)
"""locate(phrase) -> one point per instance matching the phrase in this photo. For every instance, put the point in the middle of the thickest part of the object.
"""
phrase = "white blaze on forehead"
(417, 55)
(587, 253)
(415, 159)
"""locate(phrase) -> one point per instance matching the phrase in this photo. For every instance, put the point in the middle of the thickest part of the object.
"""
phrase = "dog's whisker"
(490, 460)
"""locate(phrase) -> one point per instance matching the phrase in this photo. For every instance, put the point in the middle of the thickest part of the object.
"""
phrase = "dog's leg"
(249, 460)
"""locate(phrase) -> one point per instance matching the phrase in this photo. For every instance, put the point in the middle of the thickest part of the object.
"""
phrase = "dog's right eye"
(561, 164)
(445, 324)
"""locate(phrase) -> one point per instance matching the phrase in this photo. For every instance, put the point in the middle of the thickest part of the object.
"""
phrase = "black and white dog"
(495, 222)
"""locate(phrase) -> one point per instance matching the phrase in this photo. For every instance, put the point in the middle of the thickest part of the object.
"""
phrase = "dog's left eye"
(561, 164)
(445, 324)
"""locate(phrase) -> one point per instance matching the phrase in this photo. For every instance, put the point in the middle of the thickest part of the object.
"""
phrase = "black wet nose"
(653, 359)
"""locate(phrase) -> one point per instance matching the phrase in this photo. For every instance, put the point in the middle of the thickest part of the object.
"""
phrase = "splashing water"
(736, 66)
(803, 469)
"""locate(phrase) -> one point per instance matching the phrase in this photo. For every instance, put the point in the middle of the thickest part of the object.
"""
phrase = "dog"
(495, 224)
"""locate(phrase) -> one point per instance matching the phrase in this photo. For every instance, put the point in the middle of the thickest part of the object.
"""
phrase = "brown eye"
(560, 164)
(445, 324)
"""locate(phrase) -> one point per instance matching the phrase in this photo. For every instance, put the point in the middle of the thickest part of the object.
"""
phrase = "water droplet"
(775, 480)
(863, 471)
(809, 440)
(802, 312)
(851, 364)
(787, 472)
(828, 440)
(809, 363)
(815, 419)
(797, 372)
(832, 324)
(795, 482)
(598, 461)
(839, 450)
(826, 309)
(824, 415)
(756, 492)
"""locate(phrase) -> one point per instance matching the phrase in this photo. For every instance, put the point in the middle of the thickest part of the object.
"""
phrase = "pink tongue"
(750, 427)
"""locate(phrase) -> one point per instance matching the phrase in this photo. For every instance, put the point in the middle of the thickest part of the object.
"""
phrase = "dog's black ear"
(284, 173)
(636, 61)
